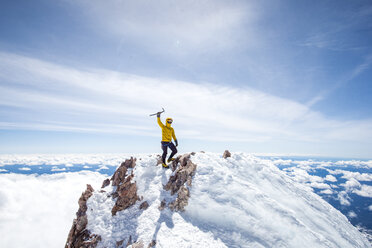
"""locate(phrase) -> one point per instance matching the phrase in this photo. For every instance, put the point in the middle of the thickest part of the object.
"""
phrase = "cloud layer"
(37, 211)
(39, 95)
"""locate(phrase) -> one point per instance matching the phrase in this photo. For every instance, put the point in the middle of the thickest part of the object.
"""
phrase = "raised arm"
(160, 123)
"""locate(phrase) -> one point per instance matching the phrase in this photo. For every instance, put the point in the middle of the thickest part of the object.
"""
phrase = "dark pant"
(164, 147)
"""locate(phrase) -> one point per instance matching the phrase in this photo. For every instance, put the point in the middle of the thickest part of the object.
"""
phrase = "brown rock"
(127, 197)
(183, 174)
(121, 172)
(144, 205)
(79, 236)
(126, 191)
(181, 201)
(226, 154)
(152, 244)
(105, 183)
(176, 183)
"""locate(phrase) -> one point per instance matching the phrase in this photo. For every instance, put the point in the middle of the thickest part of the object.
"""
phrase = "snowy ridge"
(240, 201)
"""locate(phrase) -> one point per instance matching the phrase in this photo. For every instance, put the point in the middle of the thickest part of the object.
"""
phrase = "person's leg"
(164, 147)
(174, 150)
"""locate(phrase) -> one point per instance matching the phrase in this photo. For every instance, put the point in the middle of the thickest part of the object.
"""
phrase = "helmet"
(169, 120)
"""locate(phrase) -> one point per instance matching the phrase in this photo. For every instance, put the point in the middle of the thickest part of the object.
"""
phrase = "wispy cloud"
(358, 70)
(48, 96)
(169, 27)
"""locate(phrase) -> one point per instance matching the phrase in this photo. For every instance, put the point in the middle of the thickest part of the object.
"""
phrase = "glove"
(176, 142)
(158, 114)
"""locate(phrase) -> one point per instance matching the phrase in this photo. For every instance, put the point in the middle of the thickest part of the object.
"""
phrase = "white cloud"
(330, 178)
(120, 103)
(344, 198)
(54, 168)
(365, 191)
(171, 28)
(351, 185)
(327, 192)
(370, 208)
(355, 163)
(356, 175)
(356, 187)
(32, 205)
(103, 168)
(69, 160)
(25, 169)
(352, 214)
(320, 185)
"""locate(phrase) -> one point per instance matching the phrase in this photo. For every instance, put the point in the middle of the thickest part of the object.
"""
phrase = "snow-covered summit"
(208, 201)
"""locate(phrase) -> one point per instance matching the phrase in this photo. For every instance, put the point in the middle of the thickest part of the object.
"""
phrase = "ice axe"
(158, 112)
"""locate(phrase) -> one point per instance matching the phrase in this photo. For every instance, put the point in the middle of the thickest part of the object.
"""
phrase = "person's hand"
(176, 142)
(158, 114)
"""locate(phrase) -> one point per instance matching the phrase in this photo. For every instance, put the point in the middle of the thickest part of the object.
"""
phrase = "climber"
(166, 140)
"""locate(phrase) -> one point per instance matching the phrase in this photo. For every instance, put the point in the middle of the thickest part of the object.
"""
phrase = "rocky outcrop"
(120, 173)
(126, 190)
(180, 181)
(226, 154)
(105, 183)
(79, 236)
(144, 205)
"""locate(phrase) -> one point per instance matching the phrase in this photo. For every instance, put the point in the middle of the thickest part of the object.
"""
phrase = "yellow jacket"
(167, 131)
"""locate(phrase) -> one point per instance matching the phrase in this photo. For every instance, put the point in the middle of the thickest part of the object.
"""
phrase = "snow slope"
(241, 201)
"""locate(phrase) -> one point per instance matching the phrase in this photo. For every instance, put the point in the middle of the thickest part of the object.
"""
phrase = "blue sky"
(256, 76)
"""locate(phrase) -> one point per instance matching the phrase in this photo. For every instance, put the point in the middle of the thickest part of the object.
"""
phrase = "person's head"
(169, 121)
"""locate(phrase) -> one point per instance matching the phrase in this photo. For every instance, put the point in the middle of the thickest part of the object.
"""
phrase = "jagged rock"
(120, 173)
(176, 183)
(144, 205)
(105, 183)
(181, 201)
(226, 154)
(152, 244)
(183, 174)
(78, 235)
(126, 191)
(126, 195)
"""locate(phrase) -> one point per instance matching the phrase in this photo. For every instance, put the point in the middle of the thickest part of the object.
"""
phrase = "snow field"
(248, 203)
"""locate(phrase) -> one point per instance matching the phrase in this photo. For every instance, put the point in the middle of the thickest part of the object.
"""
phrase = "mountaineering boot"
(165, 165)
(170, 160)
